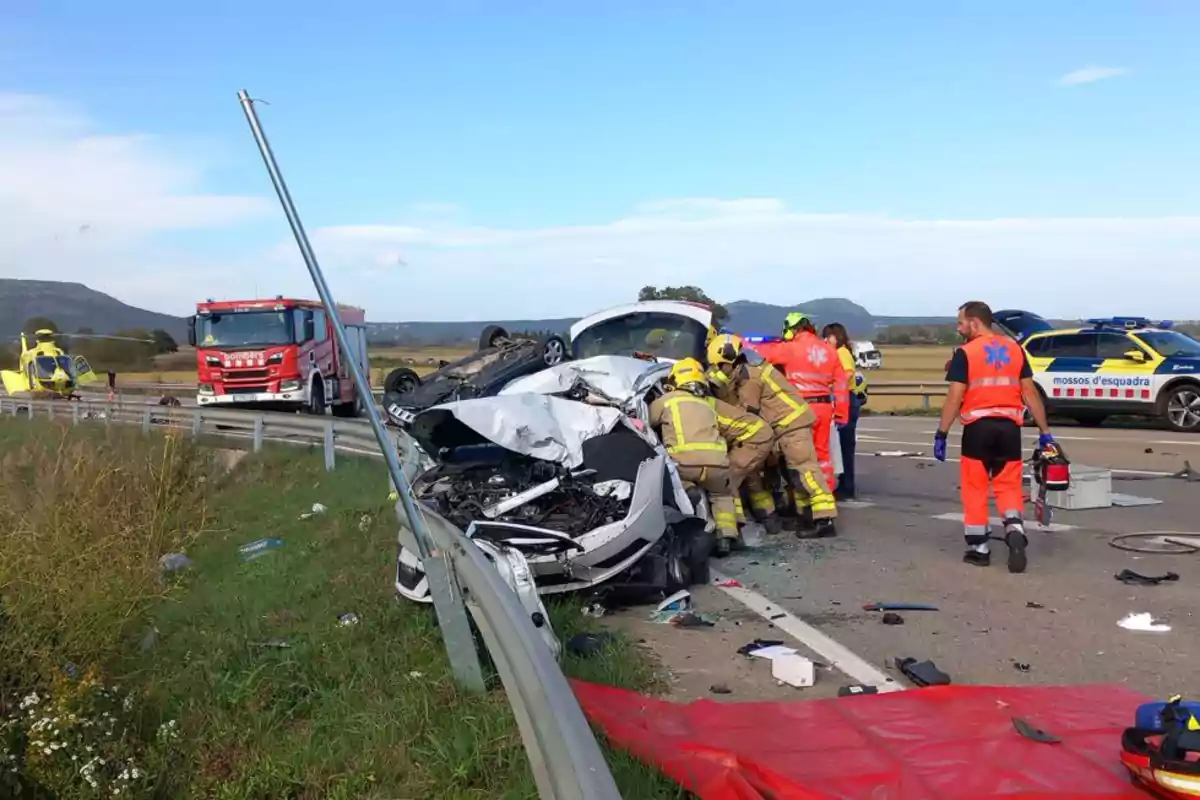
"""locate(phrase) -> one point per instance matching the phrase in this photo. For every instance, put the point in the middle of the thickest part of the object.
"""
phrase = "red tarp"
(922, 744)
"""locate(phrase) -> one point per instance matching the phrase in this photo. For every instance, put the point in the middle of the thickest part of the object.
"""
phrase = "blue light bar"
(756, 339)
(1129, 323)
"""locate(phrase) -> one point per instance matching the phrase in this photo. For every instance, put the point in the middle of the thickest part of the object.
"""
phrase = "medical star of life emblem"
(997, 355)
(817, 355)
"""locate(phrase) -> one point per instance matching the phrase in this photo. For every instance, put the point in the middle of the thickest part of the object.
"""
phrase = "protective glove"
(939, 446)
(1043, 440)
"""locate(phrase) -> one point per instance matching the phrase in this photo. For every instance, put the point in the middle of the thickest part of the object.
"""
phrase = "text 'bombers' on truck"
(278, 354)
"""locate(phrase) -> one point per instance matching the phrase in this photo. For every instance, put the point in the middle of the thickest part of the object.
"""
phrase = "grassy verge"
(233, 678)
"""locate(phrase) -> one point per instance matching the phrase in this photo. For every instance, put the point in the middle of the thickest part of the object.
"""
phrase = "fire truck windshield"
(245, 329)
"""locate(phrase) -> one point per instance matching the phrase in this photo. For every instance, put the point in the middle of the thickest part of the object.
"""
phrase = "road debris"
(1035, 734)
(1032, 604)
(1143, 622)
(1021, 666)
(794, 670)
(1132, 500)
(855, 689)
(317, 508)
(259, 548)
(1131, 578)
(349, 618)
(586, 645)
(173, 562)
(922, 673)
(899, 607)
(892, 618)
(899, 453)
(720, 688)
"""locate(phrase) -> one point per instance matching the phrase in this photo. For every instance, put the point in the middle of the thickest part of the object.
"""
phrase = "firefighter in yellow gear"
(689, 427)
(762, 390)
(751, 441)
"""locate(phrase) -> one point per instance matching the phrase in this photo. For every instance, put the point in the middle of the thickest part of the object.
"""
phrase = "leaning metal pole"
(447, 597)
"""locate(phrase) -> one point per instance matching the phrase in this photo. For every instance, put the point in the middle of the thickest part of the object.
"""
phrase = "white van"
(866, 355)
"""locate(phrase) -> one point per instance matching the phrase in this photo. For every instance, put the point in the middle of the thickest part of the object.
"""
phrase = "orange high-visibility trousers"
(820, 433)
(978, 481)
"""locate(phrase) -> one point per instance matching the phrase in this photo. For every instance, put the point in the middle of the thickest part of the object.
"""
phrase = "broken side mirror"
(1136, 355)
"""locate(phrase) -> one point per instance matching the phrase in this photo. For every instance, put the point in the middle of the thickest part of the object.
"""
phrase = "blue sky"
(515, 158)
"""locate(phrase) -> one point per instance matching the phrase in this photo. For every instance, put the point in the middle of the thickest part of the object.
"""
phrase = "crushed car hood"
(536, 425)
(616, 377)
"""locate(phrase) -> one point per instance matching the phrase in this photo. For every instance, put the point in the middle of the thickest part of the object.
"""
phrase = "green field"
(235, 678)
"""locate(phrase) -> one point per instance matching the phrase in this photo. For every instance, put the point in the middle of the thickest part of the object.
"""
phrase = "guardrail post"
(50, 410)
(197, 422)
(924, 399)
(146, 421)
(329, 449)
(75, 414)
(258, 433)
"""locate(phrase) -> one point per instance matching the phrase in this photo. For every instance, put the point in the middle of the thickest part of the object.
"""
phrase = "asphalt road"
(1059, 617)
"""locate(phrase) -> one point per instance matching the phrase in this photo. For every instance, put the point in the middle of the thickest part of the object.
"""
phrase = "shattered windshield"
(245, 329)
(660, 335)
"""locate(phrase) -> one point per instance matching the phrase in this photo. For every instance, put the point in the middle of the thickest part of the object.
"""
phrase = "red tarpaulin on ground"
(934, 743)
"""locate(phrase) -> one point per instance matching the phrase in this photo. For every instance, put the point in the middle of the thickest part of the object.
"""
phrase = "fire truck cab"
(278, 354)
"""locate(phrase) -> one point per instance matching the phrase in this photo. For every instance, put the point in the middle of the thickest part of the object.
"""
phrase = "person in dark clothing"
(835, 334)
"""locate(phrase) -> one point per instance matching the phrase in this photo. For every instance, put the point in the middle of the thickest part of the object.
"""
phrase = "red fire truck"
(278, 354)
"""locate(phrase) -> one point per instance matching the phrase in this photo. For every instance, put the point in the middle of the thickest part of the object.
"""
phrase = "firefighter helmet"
(724, 349)
(794, 321)
(687, 371)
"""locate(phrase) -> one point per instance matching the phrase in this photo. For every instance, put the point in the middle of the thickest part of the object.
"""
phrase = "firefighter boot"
(1014, 537)
(723, 547)
(772, 523)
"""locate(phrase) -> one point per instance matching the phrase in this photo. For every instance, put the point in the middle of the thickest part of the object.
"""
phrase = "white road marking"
(854, 503)
(1067, 438)
(873, 440)
(836, 654)
(1054, 527)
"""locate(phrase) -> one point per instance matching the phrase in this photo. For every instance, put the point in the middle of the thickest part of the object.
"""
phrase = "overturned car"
(499, 360)
(562, 466)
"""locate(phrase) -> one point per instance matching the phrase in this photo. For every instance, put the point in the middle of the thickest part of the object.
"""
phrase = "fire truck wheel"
(316, 400)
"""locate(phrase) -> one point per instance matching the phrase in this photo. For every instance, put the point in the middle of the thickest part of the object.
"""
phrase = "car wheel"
(554, 350)
(401, 381)
(1181, 408)
(492, 336)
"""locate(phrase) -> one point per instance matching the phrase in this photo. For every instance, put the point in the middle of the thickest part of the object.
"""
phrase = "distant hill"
(73, 306)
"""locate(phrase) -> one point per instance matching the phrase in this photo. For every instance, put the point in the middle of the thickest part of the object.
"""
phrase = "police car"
(1111, 366)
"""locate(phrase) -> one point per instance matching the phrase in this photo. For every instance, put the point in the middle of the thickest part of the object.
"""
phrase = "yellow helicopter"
(45, 369)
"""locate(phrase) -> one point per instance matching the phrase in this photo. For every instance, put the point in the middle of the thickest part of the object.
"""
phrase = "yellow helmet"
(685, 371)
(724, 349)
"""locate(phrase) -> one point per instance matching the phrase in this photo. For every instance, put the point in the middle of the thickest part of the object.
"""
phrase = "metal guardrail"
(566, 760)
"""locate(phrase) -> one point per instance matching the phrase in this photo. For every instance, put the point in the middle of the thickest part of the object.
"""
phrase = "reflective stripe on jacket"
(739, 426)
(993, 380)
(812, 365)
(761, 390)
(689, 429)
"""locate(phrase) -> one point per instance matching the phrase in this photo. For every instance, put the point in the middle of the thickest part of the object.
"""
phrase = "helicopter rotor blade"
(103, 336)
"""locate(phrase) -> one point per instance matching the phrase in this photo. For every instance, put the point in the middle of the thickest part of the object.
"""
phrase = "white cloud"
(1090, 74)
(75, 205)
(79, 205)
(757, 249)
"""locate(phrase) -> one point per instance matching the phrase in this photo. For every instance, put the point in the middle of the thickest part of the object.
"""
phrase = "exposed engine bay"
(501, 485)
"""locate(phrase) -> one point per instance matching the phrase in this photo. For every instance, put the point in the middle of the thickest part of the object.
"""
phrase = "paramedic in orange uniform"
(812, 365)
(990, 386)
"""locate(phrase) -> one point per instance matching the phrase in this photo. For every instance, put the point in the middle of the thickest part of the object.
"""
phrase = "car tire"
(401, 381)
(1179, 407)
(492, 336)
(554, 351)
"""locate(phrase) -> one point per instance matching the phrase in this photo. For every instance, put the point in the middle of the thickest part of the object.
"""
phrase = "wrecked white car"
(562, 466)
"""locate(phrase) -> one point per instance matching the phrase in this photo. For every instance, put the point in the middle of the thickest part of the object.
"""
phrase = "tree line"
(102, 354)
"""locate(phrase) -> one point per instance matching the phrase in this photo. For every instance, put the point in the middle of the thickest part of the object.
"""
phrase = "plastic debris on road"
(348, 619)
(1143, 622)
(317, 508)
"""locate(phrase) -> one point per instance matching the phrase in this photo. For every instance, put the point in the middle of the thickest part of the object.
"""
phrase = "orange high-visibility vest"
(993, 379)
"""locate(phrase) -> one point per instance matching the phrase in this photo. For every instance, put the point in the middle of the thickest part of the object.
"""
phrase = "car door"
(1071, 362)
(83, 371)
(1127, 371)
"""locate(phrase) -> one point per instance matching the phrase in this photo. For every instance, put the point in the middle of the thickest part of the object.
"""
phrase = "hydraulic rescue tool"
(1051, 473)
